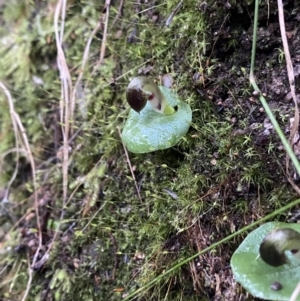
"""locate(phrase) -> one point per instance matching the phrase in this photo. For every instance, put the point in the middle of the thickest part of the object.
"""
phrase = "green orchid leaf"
(148, 130)
(259, 278)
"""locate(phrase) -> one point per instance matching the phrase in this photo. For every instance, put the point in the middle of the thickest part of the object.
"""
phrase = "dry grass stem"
(66, 114)
(119, 13)
(291, 76)
(66, 105)
(130, 166)
(170, 18)
(103, 45)
(15, 128)
(19, 130)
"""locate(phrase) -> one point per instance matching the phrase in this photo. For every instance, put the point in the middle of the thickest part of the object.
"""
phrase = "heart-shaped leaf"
(258, 277)
(148, 130)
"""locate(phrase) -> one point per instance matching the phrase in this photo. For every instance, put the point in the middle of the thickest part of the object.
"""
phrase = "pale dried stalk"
(66, 104)
(15, 127)
(291, 76)
(65, 108)
(20, 130)
(119, 14)
(174, 12)
(103, 45)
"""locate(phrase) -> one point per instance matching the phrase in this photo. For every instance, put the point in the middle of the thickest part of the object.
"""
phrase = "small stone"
(167, 80)
(276, 286)
(213, 162)
(255, 93)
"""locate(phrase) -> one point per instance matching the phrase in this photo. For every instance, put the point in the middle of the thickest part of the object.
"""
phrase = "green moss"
(111, 242)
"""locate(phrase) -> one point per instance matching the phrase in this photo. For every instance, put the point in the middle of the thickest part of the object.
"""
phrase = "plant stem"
(263, 101)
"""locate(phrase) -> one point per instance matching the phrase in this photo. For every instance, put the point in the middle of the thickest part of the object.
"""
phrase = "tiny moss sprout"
(157, 120)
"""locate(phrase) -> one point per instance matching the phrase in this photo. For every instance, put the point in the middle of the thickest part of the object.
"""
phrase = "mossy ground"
(226, 173)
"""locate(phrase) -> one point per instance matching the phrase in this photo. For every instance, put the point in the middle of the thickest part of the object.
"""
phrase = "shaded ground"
(226, 173)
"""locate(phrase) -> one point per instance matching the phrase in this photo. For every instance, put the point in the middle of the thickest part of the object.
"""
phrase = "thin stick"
(103, 45)
(130, 166)
(119, 14)
(174, 12)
